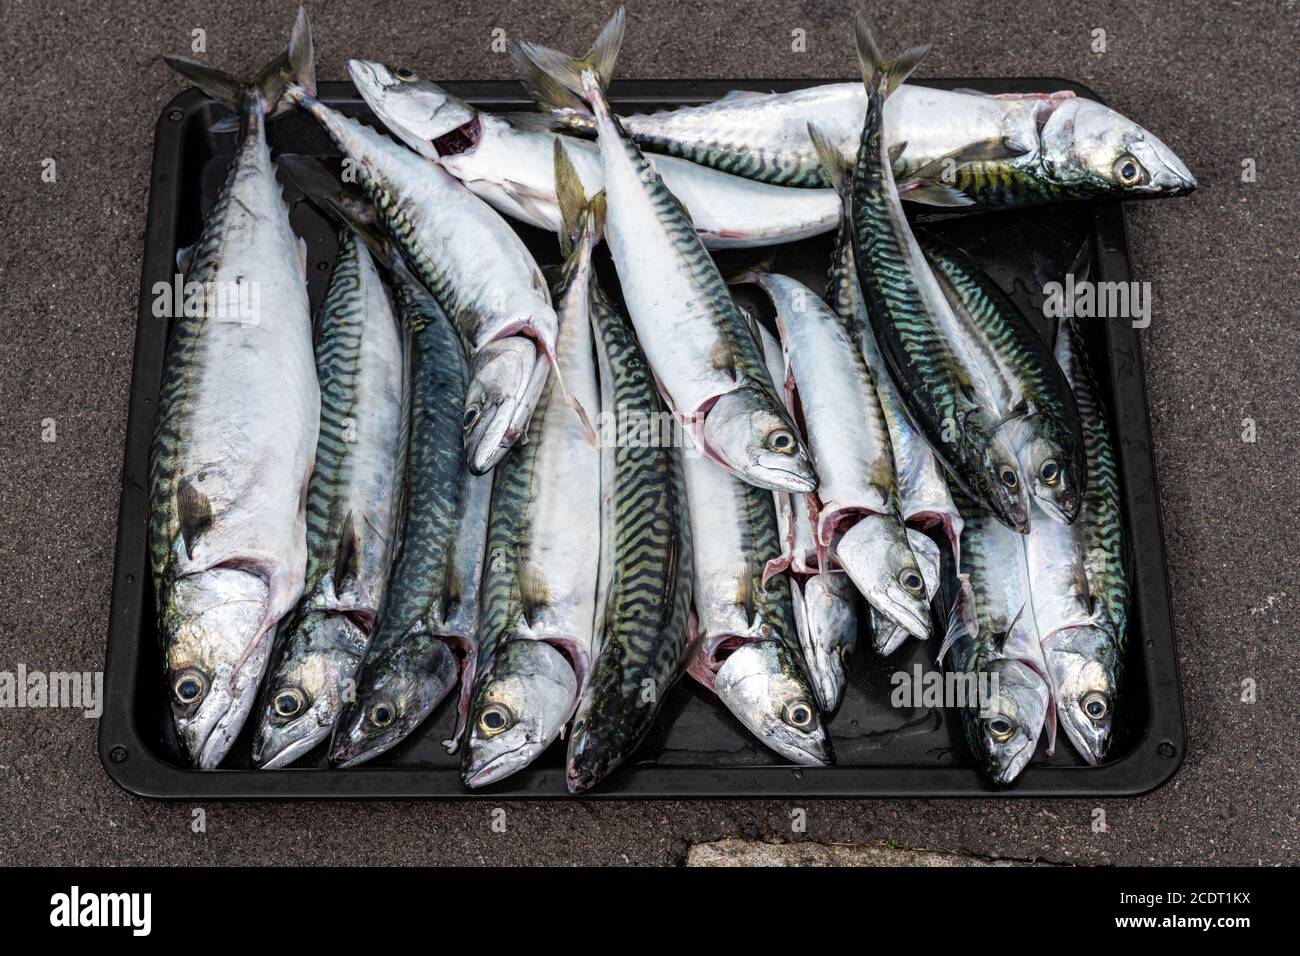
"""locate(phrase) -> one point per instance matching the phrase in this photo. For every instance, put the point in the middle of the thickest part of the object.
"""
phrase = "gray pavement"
(1217, 81)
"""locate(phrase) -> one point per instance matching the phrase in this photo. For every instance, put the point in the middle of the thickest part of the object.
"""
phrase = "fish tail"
(268, 85)
(343, 203)
(578, 214)
(833, 162)
(299, 72)
(754, 271)
(879, 74)
(564, 85)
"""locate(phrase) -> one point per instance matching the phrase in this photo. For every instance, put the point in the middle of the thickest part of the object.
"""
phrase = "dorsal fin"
(195, 511)
(348, 556)
(533, 593)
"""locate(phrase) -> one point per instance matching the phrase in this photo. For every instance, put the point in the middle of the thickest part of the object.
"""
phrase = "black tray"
(696, 749)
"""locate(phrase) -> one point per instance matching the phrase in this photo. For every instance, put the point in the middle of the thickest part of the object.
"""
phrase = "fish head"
(1004, 725)
(1004, 485)
(395, 691)
(1083, 664)
(518, 710)
(503, 376)
(1089, 148)
(828, 634)
(746, 431)
(879, 560)
(1053, 477)
(763, 685)
(303, 697)
(209, 620)
(420, 113)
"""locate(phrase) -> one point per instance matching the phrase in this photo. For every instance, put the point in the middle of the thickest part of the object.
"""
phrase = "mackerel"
(749, 652)
(234, 439)
(428, 624)
(643, 599)
(993, 641)
(352, 507)
(924, 499)
(1026, 388)
(478, 269)
(539, 585)
(1080, 582)
(696, 338)
(506, 161)
(825, 600)
(856, 511)
(955, 147)
(910, 315)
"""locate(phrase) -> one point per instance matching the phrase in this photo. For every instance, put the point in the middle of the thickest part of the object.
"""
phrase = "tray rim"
(1146, 767)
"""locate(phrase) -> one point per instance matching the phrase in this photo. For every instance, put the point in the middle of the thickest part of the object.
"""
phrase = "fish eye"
(799, 714)
(911, 581)
(781, 440)
(496, 718)
(190, 686)
(1050, 471)
(472, 412)
(1129, 171)
(289, 702)
(382, 714)
(1096, 706)
(1001, 729)
(1007, 475)
(402, 73)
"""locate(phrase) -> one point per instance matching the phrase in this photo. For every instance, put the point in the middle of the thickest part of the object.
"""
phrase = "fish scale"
(432, 479)
(644, 597)
(179, 371)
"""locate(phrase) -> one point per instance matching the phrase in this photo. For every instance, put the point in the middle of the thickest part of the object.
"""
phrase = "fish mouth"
(365, 75)
(353, 753)
(780, 479)
(496, 768)
(1091, 747)
(283, 752)
(584, 772)
(890, 637)
(1013, 515)
(1006, 775)
(1063, 511)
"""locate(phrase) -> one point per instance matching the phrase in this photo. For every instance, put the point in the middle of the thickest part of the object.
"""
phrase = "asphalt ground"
(1217, 81)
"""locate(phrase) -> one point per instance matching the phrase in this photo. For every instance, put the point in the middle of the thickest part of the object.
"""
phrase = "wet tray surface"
(696, 749)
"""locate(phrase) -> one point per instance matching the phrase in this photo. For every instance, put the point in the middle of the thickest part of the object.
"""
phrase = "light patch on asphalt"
(733, 852)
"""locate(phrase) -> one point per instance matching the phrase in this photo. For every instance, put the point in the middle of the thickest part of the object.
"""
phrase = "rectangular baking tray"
(697, 749)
